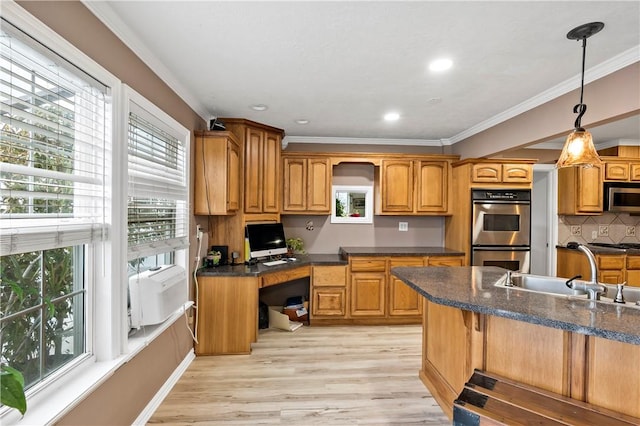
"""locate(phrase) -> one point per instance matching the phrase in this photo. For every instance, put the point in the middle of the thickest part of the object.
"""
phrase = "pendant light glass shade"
(579, 150)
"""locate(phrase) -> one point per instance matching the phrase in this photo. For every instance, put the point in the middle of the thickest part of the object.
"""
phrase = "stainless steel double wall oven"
(501, 228)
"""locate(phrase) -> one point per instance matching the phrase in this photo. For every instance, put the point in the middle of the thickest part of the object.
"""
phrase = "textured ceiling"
(342, 65)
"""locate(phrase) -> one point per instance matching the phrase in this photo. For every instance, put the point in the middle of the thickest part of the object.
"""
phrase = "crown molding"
(616, 63)
(362, 141)
(110, 19)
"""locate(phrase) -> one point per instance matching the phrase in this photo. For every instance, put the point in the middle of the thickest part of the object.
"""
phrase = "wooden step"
(488, 399)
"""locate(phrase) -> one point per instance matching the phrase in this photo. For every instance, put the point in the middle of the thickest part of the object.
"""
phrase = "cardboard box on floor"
(281, 321)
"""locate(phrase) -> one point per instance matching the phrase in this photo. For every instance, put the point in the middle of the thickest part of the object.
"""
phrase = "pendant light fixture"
(578, 150)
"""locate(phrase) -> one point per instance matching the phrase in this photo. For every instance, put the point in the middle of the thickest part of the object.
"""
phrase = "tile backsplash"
(606, 228)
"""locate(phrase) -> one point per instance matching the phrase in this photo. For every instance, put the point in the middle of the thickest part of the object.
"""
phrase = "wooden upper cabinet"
(433, 183)
(414, 187)
(624, 170)
(501, 173)
(616, 171)
(253, 154)
(294, 176)
(486, 172)
(262, 147)
(271, 173)
(635, 172)
(580, 190)
(396, 186)
(262, 171)
(217, 173)
(517, 173)
(306, 185)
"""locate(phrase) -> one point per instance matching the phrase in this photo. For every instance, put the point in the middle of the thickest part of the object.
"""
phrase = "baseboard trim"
(162, 393)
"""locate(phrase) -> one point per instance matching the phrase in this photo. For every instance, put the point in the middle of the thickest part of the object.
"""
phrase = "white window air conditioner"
(156, 294)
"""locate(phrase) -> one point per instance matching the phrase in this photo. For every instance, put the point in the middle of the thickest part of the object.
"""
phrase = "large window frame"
(106, 274)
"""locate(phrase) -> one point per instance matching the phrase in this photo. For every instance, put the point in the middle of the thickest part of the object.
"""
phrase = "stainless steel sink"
(540, 284)
(557, 286)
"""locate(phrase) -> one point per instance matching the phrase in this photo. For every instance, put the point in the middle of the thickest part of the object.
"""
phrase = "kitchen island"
(585, 350)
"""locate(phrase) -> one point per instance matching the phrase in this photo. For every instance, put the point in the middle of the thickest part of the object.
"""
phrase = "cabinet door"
(517, 173)
(367, 294)
(319, 185)
(233, 176)
(580, 190)
(433, 186)
(589, 189)
(635, 172)
(486, 172)
(633, 270)
(216, 174)
(270, 185)
(616, 171)
(295, 185)
(403, 300)
(253, 170)
(328, 301)
(396, 184)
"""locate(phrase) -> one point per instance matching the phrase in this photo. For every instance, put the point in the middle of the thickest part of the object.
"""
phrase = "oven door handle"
(500, 202)
(501, 248)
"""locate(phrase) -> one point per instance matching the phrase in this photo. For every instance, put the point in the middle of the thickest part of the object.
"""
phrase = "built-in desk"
(227, 301)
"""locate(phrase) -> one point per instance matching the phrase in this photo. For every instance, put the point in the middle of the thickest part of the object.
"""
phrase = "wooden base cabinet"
(590, 369)
(328, 292)
(227, 315)
(403, 300)
(611, 267)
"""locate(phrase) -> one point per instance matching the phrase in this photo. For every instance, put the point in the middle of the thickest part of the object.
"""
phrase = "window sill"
(51, 402)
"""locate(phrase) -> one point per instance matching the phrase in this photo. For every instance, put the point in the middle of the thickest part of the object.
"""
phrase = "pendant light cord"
(581, 108)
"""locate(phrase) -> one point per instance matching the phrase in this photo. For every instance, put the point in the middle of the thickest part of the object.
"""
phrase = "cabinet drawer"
(610, 262)
(406, 261)
(633, 262)
(445, 261)
(368, 265)
(329, 276)
(284, 276)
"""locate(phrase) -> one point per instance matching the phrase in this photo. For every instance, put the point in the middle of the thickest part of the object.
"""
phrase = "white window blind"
(158, 192)
(53, 126)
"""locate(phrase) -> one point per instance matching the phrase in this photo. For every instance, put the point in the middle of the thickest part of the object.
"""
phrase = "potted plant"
(295, 245)
(12, 389)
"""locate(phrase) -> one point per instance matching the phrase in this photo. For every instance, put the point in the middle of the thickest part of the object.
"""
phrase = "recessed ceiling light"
(440, 65)
(302, 121)
(391, 116)
(259, 107)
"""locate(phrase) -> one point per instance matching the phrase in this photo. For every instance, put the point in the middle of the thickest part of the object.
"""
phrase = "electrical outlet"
(403, 226)
(199, 232)
(576, 230)
(603, 230)
(630, 231)
(594, 234)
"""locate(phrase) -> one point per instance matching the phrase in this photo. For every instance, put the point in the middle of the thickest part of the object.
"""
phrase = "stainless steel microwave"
(622, 197)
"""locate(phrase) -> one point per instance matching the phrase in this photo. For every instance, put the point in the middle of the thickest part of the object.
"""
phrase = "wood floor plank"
(341, 375)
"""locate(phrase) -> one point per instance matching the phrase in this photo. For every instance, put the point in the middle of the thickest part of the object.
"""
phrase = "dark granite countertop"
(242, 270)
(399, 251)
(472, 289)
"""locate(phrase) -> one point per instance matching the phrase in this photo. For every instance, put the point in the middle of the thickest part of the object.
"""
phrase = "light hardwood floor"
(313, 376)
